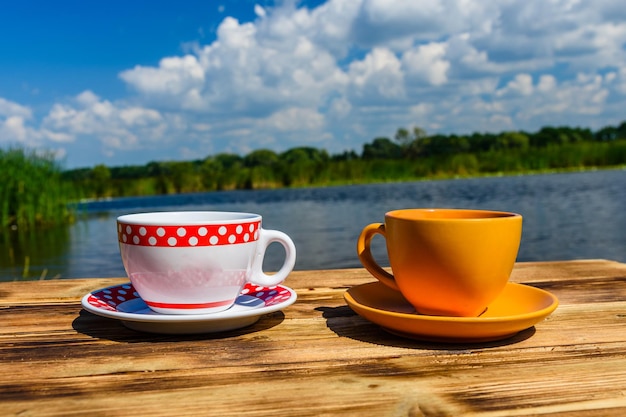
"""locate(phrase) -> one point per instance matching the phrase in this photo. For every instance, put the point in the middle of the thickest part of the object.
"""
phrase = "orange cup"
(445, 262)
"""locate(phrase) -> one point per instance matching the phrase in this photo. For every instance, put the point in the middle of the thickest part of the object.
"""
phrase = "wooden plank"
(316, 357)
(541, 274)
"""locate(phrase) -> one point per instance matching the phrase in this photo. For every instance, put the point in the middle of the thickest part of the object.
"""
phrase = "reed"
(32, 194)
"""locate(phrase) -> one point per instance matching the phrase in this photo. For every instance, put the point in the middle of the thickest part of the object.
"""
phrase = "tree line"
(409, 154)
(35, 191)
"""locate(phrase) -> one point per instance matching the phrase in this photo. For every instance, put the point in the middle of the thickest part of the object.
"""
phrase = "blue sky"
(129, 82)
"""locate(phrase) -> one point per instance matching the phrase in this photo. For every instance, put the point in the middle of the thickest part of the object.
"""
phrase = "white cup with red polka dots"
(197, 262)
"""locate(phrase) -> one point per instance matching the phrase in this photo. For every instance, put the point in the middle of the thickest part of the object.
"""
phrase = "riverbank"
(444, 176)
(217, 174)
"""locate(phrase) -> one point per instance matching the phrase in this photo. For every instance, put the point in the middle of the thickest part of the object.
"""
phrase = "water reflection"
(33, 254)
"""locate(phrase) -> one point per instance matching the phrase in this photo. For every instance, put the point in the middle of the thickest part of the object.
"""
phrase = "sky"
(131, 82)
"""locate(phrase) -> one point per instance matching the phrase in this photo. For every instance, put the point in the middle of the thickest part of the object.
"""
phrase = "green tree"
(350, 155)
(547, 136)
(182, 175)
(229, 161)
(511, 140)
(300, 166)
(100, 180)
(410, 141)
(441, 145)
(261, 157)
(621, 131)
(210, 172)
(481, 142)
(223, 171)
(382, 148)
(304, 154)
(262, 168)
(160, 174)
(607, 134)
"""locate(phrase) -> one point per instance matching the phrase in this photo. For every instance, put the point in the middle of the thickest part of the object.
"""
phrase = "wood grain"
(316, 358)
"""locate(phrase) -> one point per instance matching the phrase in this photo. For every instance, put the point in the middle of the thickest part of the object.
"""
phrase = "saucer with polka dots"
(123, 303)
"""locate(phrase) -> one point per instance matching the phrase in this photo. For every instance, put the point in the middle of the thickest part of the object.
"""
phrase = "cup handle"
(363, 248)
(266, 237)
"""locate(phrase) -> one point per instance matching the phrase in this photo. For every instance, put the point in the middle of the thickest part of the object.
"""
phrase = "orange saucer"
(518, 307)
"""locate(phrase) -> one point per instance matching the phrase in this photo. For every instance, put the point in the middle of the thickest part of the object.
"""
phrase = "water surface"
(566, 216)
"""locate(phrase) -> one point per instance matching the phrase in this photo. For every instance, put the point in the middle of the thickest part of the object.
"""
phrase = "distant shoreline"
(438, 178)
(372, 182)
(410, 156)
(486, 175)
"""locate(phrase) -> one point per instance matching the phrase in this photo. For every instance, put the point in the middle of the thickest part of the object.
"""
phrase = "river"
(566, 216)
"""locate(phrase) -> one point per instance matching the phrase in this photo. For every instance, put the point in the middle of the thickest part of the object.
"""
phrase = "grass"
(32, 194)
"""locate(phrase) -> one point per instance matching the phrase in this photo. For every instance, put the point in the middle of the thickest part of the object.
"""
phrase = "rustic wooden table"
(316, 357)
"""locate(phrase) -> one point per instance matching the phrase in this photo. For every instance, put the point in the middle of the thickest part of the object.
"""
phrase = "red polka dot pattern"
(110, 298)
(188, 236)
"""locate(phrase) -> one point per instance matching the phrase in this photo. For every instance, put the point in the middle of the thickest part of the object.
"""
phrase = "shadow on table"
(111, 329)
(346, 323)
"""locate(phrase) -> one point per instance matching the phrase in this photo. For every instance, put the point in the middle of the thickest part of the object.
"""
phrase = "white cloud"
(9, 109)
(339, 108)
(619, 80)
(295, 119)
(400, 24)
(137, 116)
(58, 137)
(173, 76)
(14, 125)
(377, 76)
(116, 126)
(427, 63)
(347, 71)
(181, 78)
(546, 83)
(259, 10)
(580, 99)
(87, 98)
(522, 84)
